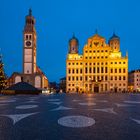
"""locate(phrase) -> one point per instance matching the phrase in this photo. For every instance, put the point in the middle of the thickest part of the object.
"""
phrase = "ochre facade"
(100, 69)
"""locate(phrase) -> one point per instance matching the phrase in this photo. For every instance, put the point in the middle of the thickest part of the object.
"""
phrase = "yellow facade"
(101, 68)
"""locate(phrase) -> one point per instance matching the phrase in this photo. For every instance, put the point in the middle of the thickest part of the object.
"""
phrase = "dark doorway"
(96, 89)
(77, 90)
(115, 89)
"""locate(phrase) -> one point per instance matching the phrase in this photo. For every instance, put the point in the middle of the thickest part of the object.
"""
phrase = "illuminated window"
(102, 77)
(80, 70)
(90, 70)
(30, 36)
(69, 71)
(120, 78)
(76, 70)
(86, 70)
(94, 70)
(124, 78)
(102, 70)
(77, 78)
(106, 69)
(26, 36)
(72, 70)
(123, 70)
(119, 70)
(98, 70)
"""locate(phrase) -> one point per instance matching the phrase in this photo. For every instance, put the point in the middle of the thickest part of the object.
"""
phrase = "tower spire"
(30, 12)
(96, 31)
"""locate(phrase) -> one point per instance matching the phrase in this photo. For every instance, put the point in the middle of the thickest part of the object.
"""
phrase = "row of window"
(96, 51)
(96, 70)
(118, 70)
(77, 78)
(96, 78)
(102, 63)
(118, 85)
(102, 57)
(28, 37)
(118, 63)
(96, 63)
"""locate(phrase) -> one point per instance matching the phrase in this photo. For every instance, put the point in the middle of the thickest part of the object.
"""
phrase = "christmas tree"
(3, 79)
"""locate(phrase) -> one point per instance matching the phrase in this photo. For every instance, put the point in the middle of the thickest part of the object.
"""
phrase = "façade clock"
(28, 43)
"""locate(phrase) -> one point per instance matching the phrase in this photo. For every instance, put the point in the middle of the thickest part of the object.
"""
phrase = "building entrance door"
(115, 89)
(96, 88)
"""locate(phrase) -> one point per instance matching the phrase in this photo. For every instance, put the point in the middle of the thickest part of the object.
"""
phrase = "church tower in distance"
(29, 49)
(31, 73)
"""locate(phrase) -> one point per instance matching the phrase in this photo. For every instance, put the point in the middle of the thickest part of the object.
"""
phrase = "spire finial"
(96, 31)
(30, 12)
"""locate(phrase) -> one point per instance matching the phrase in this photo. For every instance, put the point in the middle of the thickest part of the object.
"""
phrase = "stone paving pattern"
(70, 117)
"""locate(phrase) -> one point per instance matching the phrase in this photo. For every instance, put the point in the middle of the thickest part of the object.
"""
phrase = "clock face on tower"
(28, 43)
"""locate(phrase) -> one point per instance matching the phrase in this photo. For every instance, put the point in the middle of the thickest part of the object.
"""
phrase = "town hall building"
(101, 68)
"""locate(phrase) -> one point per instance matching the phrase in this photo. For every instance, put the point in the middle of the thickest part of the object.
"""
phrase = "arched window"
(37, 82)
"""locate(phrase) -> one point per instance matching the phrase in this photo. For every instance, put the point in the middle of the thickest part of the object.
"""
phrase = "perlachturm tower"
(101, 68)
(31, 72)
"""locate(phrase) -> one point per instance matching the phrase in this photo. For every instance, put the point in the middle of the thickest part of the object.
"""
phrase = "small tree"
(3, 79)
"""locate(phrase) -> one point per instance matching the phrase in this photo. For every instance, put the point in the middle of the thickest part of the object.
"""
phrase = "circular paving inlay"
(26, 106)
(53, 100)
(88, 104)
(76, 121)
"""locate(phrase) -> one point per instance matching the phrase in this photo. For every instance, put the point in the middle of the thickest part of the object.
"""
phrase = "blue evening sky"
(57, 20)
